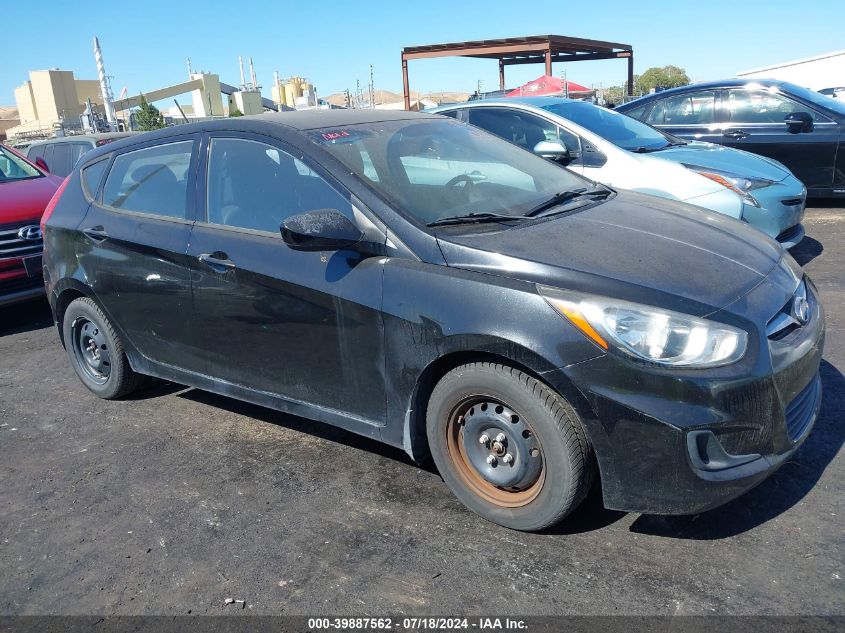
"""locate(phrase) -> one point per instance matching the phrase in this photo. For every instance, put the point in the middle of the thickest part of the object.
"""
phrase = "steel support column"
(406, 89)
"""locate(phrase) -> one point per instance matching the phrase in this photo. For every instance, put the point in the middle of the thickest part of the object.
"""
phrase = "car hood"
(634, 247)
(724, 159)
(25, 200)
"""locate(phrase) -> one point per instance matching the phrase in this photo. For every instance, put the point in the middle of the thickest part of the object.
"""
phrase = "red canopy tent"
(547, 85)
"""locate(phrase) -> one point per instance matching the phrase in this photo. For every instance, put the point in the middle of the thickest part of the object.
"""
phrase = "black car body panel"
(357, 337)
(814, 153)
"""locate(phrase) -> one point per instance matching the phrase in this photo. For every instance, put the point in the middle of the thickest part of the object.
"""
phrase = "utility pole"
(372, 89)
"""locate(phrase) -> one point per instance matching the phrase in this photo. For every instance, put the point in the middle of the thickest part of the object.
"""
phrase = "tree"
(665, 77)
(235, 112)
(148, 117)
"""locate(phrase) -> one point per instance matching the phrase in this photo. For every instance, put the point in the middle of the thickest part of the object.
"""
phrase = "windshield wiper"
(644, 150)
(567, 196)
(475, 218)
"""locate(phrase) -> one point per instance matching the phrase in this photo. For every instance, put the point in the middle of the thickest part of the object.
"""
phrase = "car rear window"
(151, 180)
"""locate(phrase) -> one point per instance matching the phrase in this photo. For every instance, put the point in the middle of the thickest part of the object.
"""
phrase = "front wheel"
(96, 351)
(510, 448)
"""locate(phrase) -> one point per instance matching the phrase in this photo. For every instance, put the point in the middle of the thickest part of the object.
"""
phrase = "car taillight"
(51, 206)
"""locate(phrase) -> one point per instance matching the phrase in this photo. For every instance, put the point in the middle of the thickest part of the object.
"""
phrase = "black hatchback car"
(424, 283)
(800, 128)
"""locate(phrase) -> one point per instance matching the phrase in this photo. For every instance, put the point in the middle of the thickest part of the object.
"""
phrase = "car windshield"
(621, 130)
(823, 101)
(13, 167)
(438, 168)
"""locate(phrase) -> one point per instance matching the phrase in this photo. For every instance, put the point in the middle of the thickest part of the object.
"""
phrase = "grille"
(801, 412)
(12, 245)
(783, 323)
(792, 202)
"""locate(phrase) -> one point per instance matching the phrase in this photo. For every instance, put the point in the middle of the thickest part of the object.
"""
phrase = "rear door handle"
(217, 261)
(95, 233)
(737, 134)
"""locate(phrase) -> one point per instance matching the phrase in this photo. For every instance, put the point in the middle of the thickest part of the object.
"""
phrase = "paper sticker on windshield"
(337, 136)
(334, 135)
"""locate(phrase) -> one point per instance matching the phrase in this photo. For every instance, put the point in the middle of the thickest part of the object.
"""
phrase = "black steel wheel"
(96, 351)
(508, 446)
(90, 347)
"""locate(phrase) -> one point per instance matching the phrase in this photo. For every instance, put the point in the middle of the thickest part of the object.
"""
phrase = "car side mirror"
(42, 164)
(553, 150)
(320, 230)
(797, 122)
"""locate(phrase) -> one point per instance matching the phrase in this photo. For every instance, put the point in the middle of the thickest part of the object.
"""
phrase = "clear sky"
(332, 42)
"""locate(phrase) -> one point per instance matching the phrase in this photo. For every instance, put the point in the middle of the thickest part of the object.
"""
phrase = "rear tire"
(509, 447)
(96, 351)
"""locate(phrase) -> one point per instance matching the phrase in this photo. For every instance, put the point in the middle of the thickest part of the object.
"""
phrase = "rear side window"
(37, 151)
(151, 180)
(92, 176)
(76, 152)
(694, 108)
(61, 165)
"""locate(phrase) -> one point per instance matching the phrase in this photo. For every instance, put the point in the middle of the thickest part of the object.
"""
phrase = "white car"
(619, 151)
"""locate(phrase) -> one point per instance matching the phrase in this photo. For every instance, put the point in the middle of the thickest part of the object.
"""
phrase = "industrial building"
(49, 98)
(815, 73)
(56, 102)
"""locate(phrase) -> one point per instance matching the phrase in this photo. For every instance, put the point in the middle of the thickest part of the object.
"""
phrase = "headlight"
(740, 185)
(652, 334)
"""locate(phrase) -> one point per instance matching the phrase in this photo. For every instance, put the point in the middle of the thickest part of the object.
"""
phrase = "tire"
(96, 351)
(493, 401)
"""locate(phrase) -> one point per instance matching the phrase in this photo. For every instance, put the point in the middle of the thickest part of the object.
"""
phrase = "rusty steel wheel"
(495, 452)
(510, 447)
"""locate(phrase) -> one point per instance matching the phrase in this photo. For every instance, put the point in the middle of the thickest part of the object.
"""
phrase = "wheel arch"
(65, 292)
(414, 440)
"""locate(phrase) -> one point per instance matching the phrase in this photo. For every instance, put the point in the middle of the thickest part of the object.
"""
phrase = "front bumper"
(682, 442)
(780, 212)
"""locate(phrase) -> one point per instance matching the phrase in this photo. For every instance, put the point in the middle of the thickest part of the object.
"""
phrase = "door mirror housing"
(797, 122)
(320, 230)
(42, 164)
(553, 150)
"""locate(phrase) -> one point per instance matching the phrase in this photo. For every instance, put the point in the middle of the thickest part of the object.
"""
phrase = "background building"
(815, 73)
(50, 98)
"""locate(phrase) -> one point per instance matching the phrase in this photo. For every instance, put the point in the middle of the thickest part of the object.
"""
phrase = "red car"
(25, 191)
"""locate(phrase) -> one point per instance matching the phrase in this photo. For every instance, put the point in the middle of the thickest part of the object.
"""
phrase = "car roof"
(538, 102)
(299, 121)
(703, 85)
(76, 138)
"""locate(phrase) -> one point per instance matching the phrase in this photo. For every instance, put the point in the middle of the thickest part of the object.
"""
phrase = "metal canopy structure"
(522, 50)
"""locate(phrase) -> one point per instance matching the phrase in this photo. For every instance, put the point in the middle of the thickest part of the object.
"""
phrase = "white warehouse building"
(815, 73)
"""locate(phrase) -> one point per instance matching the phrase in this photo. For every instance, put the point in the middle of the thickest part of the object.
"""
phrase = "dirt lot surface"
(175, 500)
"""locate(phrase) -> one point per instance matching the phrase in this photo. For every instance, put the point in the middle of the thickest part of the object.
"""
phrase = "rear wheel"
(509, 447)
(96, 351)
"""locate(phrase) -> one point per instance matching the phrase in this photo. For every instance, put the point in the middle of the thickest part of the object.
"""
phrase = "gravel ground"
(175, 500)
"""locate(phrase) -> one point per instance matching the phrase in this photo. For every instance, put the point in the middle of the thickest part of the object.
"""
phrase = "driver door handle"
(217, 261)
(737, 134)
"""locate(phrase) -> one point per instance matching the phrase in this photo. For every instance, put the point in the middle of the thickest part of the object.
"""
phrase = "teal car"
(616, 150)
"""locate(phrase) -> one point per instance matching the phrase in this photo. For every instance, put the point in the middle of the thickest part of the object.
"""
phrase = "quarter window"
(151, 180)
(761, 106)
(253, 185)
(695, 108)
(92, 176)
